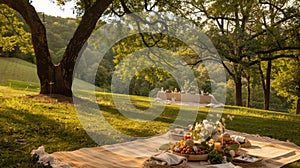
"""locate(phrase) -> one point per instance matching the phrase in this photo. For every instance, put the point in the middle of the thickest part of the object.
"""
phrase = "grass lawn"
(17, 69)
(19, 74)
(40, 121)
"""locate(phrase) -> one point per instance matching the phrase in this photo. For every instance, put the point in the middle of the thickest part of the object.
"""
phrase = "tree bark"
(57, 79)
(56, 83)
(248, 91)
(266, 84)
(238, 91)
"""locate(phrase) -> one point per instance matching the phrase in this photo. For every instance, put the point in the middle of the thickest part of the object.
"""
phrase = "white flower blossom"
(209, 127)
(198, 126)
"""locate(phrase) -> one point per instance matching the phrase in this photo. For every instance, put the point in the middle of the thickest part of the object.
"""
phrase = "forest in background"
(60, 30)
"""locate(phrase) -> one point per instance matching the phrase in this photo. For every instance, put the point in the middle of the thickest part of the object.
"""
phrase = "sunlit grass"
(261, 113)
(26, 86)
(17, 69)
(39, 122)
(44, 121)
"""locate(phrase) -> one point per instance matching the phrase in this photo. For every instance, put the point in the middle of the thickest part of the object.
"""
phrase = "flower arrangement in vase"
(206, 138)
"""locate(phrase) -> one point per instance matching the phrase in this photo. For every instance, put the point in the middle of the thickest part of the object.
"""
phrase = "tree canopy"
(13, 38)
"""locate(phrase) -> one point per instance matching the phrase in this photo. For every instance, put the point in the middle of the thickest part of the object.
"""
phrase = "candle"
(217, 146)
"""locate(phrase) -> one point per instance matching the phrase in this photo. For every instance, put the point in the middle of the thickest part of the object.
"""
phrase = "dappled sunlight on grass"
(246, 120)
(25, 86)
(44, 121)
(261, 114)
(37, 122)
(6, 92)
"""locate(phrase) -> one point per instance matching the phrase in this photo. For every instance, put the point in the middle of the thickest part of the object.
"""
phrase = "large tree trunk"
(266, 84)
(57, 79)
(52, 80)
(238, 91)
(248, 91)
(45, 67)
(55, 83)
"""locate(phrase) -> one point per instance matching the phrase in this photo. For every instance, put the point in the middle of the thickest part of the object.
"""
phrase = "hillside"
(17, 69)
(20, 74)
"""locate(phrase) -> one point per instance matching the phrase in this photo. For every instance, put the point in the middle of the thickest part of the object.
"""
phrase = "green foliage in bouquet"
(215, 157)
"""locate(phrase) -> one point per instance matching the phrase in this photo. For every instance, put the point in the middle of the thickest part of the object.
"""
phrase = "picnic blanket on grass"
(132, 154)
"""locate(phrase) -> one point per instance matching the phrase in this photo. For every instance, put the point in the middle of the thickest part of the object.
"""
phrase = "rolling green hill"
(22, 75)
(17, 69)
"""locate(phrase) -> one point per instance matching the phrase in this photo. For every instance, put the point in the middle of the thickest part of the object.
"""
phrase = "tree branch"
(255, 62)
(139, 19)
(151, 7)
(269, 3)
(274, 25)
(83, 31)
(87, 4)
(278, 49)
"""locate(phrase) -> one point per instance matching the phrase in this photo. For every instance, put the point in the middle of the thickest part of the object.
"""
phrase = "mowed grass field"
(17, 69)
(22, 75)
(27, 122)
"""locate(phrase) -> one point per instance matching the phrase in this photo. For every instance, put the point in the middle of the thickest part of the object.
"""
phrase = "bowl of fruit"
(189, 149)
(230, 143)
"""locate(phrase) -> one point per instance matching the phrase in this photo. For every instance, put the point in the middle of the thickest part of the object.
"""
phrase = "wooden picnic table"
(187, 97)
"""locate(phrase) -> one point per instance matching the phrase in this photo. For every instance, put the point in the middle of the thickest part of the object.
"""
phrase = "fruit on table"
(226, 137)
(245, 143)
(189, 142)
(189, 147)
